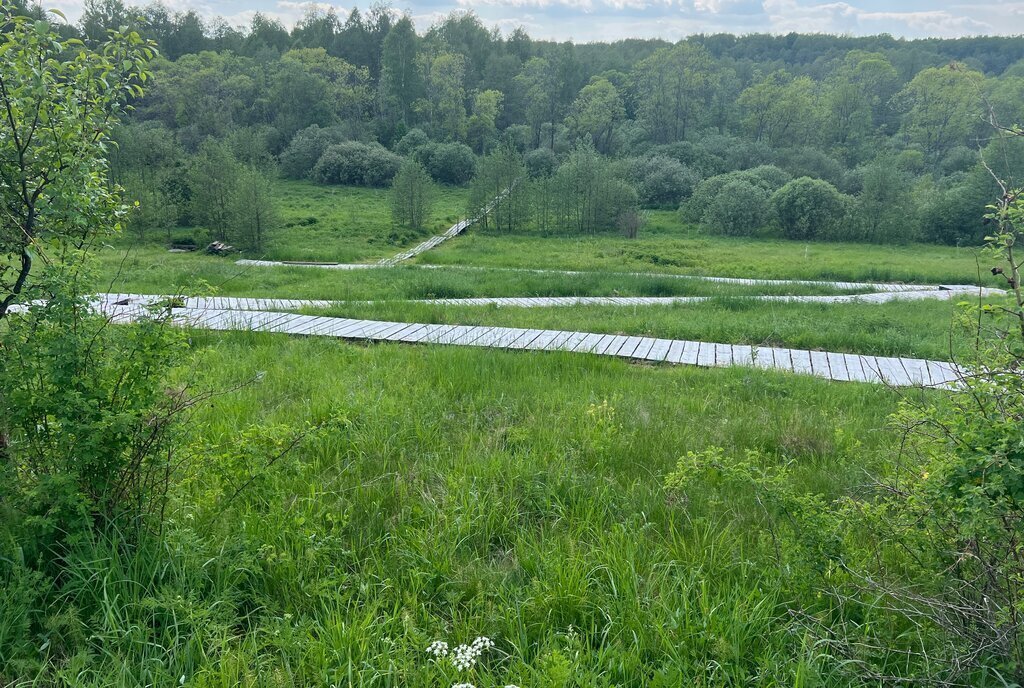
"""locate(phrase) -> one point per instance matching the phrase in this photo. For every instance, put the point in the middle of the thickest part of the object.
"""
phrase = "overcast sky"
(593, 20)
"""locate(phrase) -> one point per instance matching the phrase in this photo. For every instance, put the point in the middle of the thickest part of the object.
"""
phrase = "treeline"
(896, 132)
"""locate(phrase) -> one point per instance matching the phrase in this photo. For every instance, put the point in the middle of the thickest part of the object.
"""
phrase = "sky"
(606, 20)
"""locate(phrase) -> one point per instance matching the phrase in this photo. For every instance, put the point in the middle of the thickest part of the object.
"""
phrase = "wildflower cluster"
(466, 655)
(438, 648)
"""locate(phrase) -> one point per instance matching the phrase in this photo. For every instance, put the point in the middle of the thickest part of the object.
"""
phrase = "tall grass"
(513, 495)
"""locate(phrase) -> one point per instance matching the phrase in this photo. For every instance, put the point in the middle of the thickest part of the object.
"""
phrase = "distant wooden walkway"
(433, 241)
(752, 282)
(898, 372)
(256, 304)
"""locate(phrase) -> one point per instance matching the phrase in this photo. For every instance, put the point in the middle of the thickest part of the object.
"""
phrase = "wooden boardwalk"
(256, 304)
(752, 282)
(897, 372)
(453, 231)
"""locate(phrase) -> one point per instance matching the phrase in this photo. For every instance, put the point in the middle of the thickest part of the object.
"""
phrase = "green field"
(471, 492)
(342, 224)
(461, 492)
(153, 270)
(666, 245)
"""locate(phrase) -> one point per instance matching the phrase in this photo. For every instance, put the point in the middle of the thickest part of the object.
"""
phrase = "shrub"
(541, 162)
(305, 149)
(808, 208)
(448, 163)
(357, 164)
(413, 139)
(766, 177)
(663, 182)
(740, 208)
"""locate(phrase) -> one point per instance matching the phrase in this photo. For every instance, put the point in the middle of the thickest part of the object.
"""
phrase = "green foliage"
(448, 163)
(412, 195)
(59, 100)
(740, 208)
(355, 163)
(809, 208)
(663, 182)
(305, 149)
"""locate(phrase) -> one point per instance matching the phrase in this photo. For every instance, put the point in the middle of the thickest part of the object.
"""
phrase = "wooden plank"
(659, 352)
(819, 362)
(837, 364)
(801, 361)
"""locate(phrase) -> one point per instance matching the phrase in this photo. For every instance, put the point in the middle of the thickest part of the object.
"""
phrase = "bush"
(305, 149)
(414, 138)
(663, 182)
(808, 208)
(357, 164)
(448, 163)
(541, 162)
(739, 209)
(768, 178)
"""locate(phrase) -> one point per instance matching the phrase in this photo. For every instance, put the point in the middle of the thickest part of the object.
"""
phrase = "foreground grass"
(667, 246)
(152, 270)
(513, 495)
(919, 329)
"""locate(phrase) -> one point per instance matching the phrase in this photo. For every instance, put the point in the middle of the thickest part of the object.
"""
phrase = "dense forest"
(803, 136)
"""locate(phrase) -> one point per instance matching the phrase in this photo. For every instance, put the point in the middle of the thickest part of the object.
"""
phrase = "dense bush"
(357, 164)
(740, 208)
(448, 163)
(663, 182)
(541, 162)
(412, 140)
(809, 208)
(766, 177)
(305, 149)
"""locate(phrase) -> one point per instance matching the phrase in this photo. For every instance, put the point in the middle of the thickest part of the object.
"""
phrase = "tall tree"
(596, 112)
(400, 82)
(673, 86)
(941, 108)
(412, 196)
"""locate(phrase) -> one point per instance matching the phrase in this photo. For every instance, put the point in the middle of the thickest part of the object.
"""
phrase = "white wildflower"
(463, 685)
(438, 648)
(464, 657)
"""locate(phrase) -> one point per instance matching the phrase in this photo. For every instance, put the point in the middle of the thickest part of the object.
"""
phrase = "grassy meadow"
(342, 224)
(440, 493)
(667, 245)
(461, 493)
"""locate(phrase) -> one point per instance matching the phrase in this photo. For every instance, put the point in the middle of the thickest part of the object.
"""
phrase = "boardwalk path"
(840, 286)
(900, 372)
(433, 241)
(251, 304)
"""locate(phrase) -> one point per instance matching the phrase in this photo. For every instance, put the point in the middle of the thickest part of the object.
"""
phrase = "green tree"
(740, 208)
(445, 78)
(482, 129)
(941, 108)
(59, 102)
(84, 407)
(808, 208)
(498, 193)
(253, 212)
(400, 82)
(780, 110)
(537, 89)
(213, 182)
(596, 112)
(411, 197)
(673, 87)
